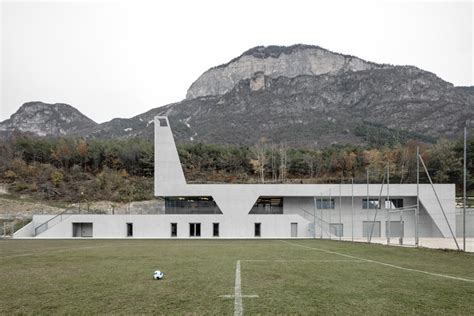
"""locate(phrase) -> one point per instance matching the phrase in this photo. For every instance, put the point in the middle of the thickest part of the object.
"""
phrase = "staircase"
(58, 218)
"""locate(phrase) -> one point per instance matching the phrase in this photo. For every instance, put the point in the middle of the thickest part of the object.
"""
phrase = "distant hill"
(45, 119)
(301, 95)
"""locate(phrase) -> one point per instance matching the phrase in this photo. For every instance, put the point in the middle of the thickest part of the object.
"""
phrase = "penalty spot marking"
(383, 263)
(238, 306)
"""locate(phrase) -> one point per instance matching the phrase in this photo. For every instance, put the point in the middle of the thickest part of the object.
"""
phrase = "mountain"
(385, 105)
(301, 95)
(274, 62)
(45, 119)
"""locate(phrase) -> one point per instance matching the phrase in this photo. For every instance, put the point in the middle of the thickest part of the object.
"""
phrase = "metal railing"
(49, 223)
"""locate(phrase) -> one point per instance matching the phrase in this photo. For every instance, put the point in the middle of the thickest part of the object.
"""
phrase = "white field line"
(238, 308)
(284, 261)
(383, 263)
(244, 296)
(51, 251)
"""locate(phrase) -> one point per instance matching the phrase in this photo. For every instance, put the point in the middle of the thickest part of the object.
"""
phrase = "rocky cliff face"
(300, 95)
(45, 119)
(275, 61)
(383, 104)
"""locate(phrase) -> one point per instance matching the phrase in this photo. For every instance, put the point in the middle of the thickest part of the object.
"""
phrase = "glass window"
(323, 204)
(191, 205)
(373, 203)
(268, 205)
(396, 203)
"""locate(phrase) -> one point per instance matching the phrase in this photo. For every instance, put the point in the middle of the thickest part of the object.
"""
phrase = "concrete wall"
(469, 222)
(342, 213)
(159, 226)
(298, 210)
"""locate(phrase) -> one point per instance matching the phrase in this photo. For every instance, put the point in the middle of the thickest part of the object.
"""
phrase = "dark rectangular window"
(395, 203)
(268, 205)
(129, 229)
(163, 122)
(323, 204)
(258, 229)
(191, 205)
(174, 229)
(215, 229)
(195, 229)
(373, 204)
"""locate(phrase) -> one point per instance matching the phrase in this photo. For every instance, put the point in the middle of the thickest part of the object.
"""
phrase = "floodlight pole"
(352, 207)
(464, 193)
(417, 211)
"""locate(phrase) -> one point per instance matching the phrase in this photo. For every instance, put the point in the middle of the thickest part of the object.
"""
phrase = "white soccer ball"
(158, 275)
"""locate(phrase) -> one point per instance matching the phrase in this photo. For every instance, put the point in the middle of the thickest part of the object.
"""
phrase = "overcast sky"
(122, 58)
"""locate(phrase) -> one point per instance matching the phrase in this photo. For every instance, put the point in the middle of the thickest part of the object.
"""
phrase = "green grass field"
(289, 277)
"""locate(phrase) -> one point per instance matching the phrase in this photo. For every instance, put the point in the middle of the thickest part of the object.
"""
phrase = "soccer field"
(231, 277)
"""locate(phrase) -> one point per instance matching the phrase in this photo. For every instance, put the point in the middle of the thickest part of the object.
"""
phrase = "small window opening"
(174, 229)
(129, 229)
(195, 229)
(215, 229)
(163, 122)
(258, 229)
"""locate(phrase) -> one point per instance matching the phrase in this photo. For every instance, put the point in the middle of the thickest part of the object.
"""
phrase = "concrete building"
(261, 210)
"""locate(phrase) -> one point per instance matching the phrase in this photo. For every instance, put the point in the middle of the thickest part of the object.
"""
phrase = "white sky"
(122, 58)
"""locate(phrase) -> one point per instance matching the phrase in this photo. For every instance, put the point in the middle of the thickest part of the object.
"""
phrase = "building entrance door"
(294, 229)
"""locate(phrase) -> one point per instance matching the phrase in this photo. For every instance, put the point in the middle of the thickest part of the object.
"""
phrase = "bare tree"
(260, 155)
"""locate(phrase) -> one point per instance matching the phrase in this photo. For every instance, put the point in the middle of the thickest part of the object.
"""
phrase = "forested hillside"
(76, 169)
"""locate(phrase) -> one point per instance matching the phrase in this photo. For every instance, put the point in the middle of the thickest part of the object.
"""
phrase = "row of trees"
(133, 155)
(62, 168)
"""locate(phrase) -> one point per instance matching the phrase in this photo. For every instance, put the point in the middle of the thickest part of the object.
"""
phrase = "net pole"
(352, 208)
(400, 241)
(368, 207)
(321, 217)
(389, 204)
(417, 211)
(314, 218)
(377, 208)
(340, 205)
(330, 215)
(464, 193)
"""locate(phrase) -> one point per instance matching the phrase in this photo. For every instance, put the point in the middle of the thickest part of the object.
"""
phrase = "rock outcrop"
(274, 62)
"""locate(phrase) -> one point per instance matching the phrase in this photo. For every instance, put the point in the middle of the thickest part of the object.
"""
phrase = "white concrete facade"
(235, 201)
